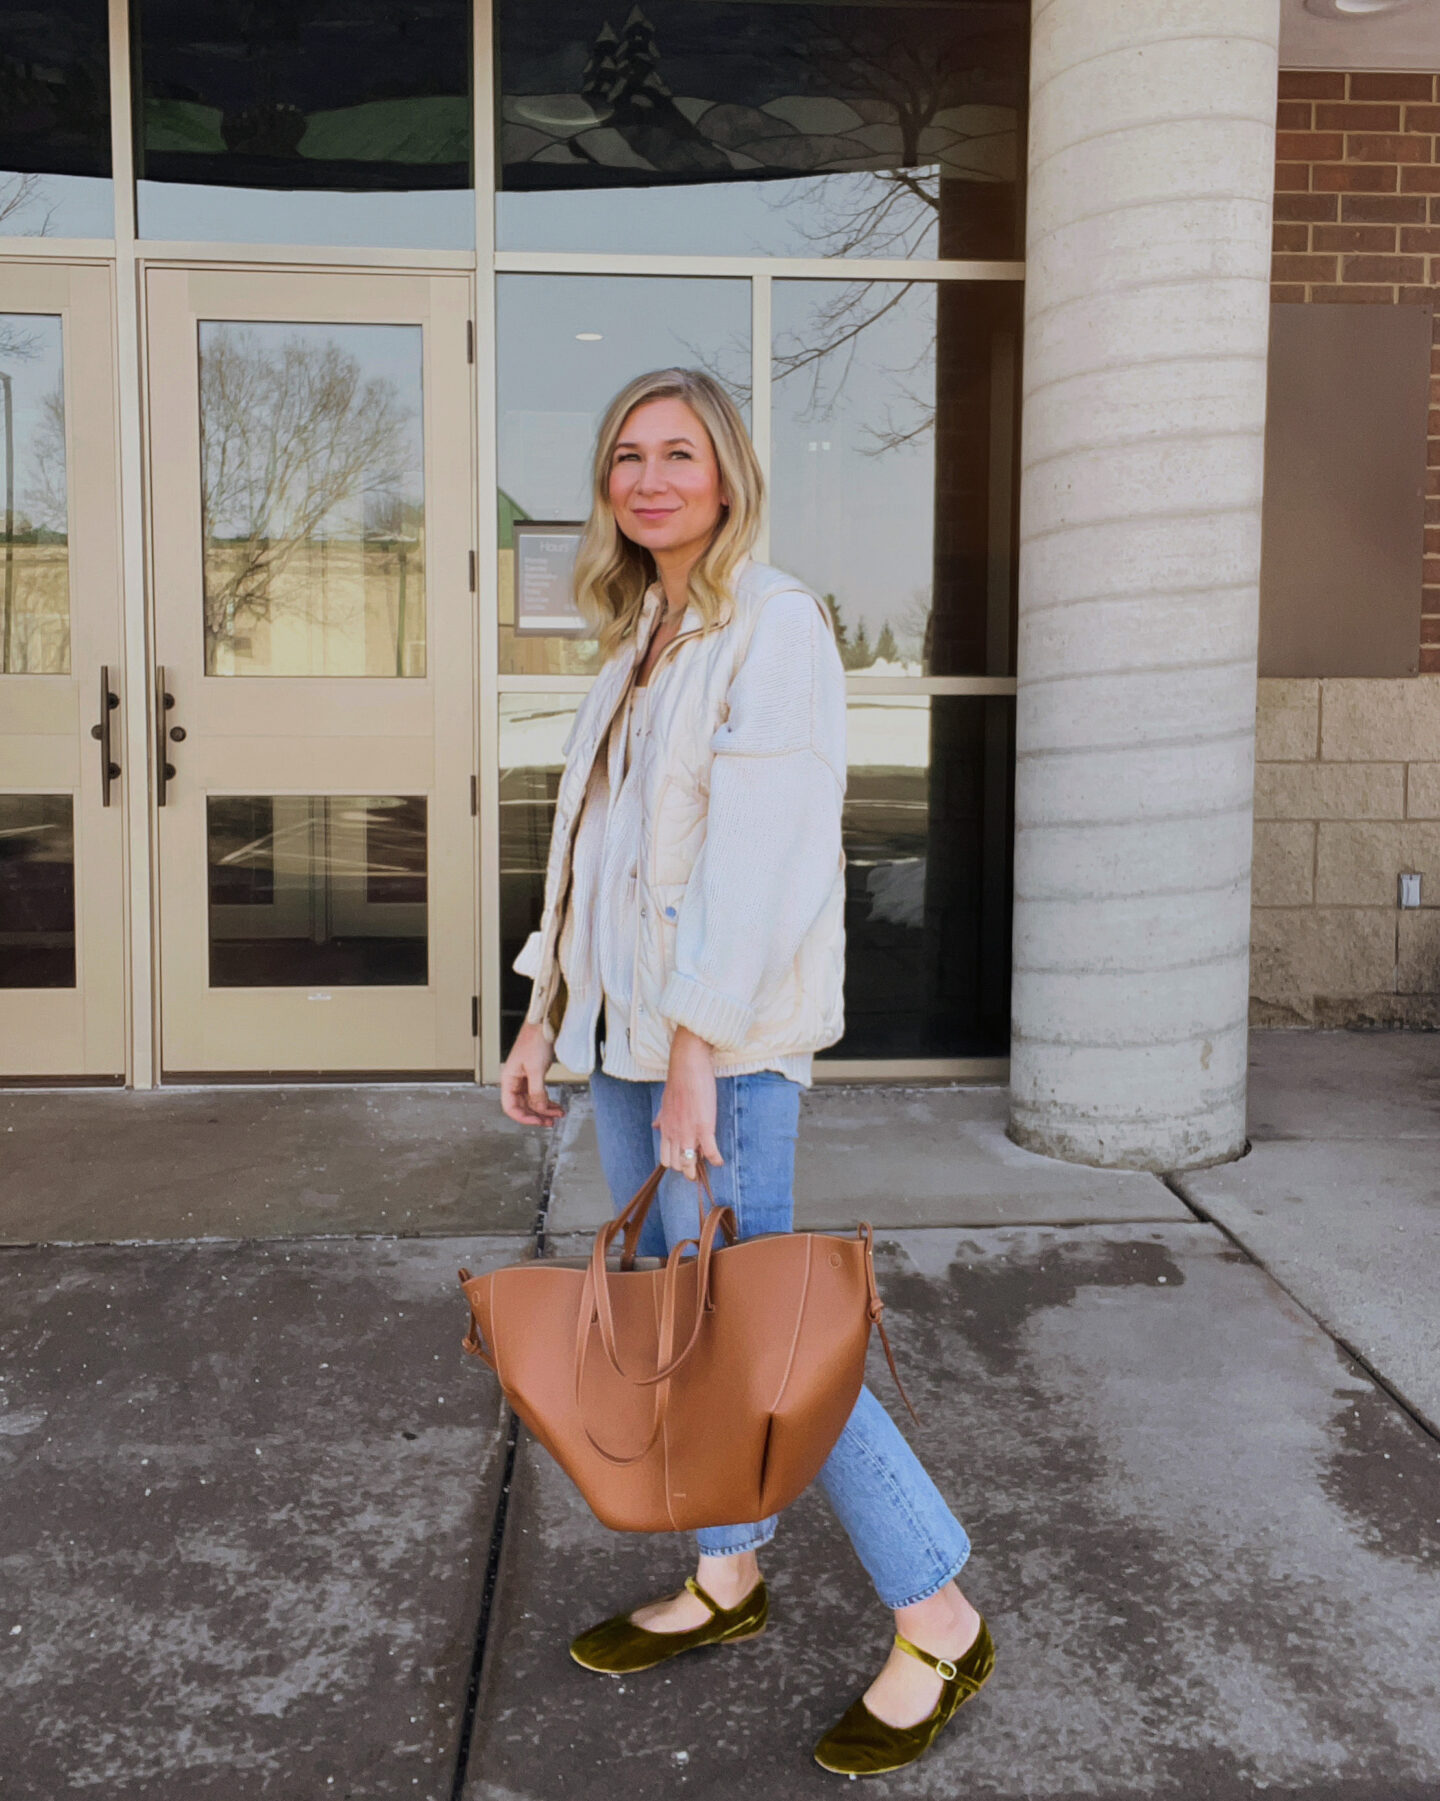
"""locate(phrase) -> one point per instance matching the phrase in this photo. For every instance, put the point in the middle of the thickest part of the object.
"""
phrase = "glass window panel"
(532, 729)
(339, 122)
(749, 128)
(927, 833)
(35, 548)
(928, 853)
(895, 409)
(312, 890)
(566, 344)
(55, 121)
(37, 891)
(313, 494)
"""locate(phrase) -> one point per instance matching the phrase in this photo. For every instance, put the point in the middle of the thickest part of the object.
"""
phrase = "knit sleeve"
(772, 835)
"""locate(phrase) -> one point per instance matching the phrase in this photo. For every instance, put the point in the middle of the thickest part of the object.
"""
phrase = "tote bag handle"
(595, 1308)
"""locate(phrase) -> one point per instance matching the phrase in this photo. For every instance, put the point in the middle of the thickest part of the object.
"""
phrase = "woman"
(694, 903)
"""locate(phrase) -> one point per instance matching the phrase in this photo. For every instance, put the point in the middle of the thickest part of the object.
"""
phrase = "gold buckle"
(945, 1669)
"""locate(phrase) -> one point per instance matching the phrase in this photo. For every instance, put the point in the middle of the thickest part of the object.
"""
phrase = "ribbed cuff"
(708, 1015)
(541, 1018)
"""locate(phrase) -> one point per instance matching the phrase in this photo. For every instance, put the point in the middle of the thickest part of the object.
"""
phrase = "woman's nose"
(652, 478)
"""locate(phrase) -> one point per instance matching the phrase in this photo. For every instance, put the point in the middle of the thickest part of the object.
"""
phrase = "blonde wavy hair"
(611, 571)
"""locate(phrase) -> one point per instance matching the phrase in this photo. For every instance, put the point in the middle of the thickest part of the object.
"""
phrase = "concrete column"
(1147, 312)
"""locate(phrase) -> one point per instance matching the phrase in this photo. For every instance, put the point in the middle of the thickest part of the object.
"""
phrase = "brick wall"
(1347, 777)
(1357, 221)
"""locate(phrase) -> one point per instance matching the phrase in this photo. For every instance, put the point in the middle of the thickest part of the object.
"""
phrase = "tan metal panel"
(1344, 515)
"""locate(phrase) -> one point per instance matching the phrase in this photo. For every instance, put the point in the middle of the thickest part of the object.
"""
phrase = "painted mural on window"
(889, 130)
(287, 94)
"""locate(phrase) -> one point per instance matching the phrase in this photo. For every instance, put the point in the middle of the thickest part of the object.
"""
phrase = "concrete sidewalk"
(1340, 1195)
(254, 1490)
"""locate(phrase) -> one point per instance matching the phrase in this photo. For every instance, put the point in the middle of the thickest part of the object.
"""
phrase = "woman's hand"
(687, 1110)
(522, 1080)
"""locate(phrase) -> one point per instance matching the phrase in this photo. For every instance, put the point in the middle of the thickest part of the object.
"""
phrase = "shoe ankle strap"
(699, 1593)
(944, 1667)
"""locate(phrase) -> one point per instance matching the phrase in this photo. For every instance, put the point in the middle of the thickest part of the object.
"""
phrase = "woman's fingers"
(510, 1101)
(709, 1149)
(672, 1151)
(522, 1094)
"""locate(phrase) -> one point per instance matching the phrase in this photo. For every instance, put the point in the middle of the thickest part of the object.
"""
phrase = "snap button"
(669, 912)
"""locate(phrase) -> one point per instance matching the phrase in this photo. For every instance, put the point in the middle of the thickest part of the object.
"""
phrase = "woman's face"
(665, 483)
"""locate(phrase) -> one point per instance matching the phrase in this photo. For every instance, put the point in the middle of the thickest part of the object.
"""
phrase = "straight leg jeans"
(903, 1533)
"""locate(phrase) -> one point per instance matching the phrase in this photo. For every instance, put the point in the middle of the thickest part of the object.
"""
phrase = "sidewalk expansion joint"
(1353, 1351)
(495, 1551)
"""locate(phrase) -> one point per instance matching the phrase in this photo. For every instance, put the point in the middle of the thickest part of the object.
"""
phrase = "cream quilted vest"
(689, 685)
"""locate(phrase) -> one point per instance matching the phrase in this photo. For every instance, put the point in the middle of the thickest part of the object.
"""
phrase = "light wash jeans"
(907, 1538)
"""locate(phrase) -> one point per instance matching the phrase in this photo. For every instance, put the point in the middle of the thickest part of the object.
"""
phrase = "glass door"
(62, 1002)
(313, 571)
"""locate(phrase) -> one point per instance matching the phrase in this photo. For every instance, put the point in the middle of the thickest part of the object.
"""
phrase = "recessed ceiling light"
(589, 337)
(1355, 9)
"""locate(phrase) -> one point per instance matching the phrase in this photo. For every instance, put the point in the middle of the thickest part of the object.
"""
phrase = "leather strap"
(472, 1341)
(944, 1667)
(595, 1307)
(877, 1313)
(595, 1301)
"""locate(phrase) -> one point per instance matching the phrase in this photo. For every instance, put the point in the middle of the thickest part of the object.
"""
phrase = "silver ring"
(689, 1156)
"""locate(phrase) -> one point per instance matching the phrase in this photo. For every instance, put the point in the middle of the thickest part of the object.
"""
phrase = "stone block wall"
(1347, 776)
(1357, 222)
(1347, 796)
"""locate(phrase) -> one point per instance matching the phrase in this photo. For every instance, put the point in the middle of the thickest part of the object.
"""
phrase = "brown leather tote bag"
(701, 1391)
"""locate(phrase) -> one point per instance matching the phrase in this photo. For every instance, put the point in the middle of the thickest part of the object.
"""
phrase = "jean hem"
(752, 1543)
(924, 1594)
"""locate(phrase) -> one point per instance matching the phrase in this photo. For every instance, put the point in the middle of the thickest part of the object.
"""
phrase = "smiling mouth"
(654, 512)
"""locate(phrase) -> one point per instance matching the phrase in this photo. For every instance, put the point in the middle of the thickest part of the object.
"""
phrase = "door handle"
(109, 768)
(164, 732)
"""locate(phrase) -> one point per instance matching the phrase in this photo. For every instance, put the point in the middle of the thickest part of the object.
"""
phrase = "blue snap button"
(669, 912)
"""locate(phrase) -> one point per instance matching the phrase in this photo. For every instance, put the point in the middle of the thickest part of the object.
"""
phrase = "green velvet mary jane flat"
(618, 1647)
(861, 1745)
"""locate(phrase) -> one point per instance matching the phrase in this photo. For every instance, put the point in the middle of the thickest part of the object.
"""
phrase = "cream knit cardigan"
(739, 917)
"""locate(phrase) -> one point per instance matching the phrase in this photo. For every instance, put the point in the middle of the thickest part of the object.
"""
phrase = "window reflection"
(55, 121)
(750, 128)
(37, 891)
(533, 728)
(566, 343)
(343, 122)
(893, 470)
(317, 889)
(927, 845)
(34, 527)
(312, 489)
(927, 833)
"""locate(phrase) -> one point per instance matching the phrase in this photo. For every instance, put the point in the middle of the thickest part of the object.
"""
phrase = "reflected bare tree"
(46, 494)
(952, 205)
(18, 344)
(22, 194)
(296, 445)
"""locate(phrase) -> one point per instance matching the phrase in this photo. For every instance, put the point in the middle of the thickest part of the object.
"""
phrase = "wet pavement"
(1208, 1551)
(248, 1498)
(253, 1488)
